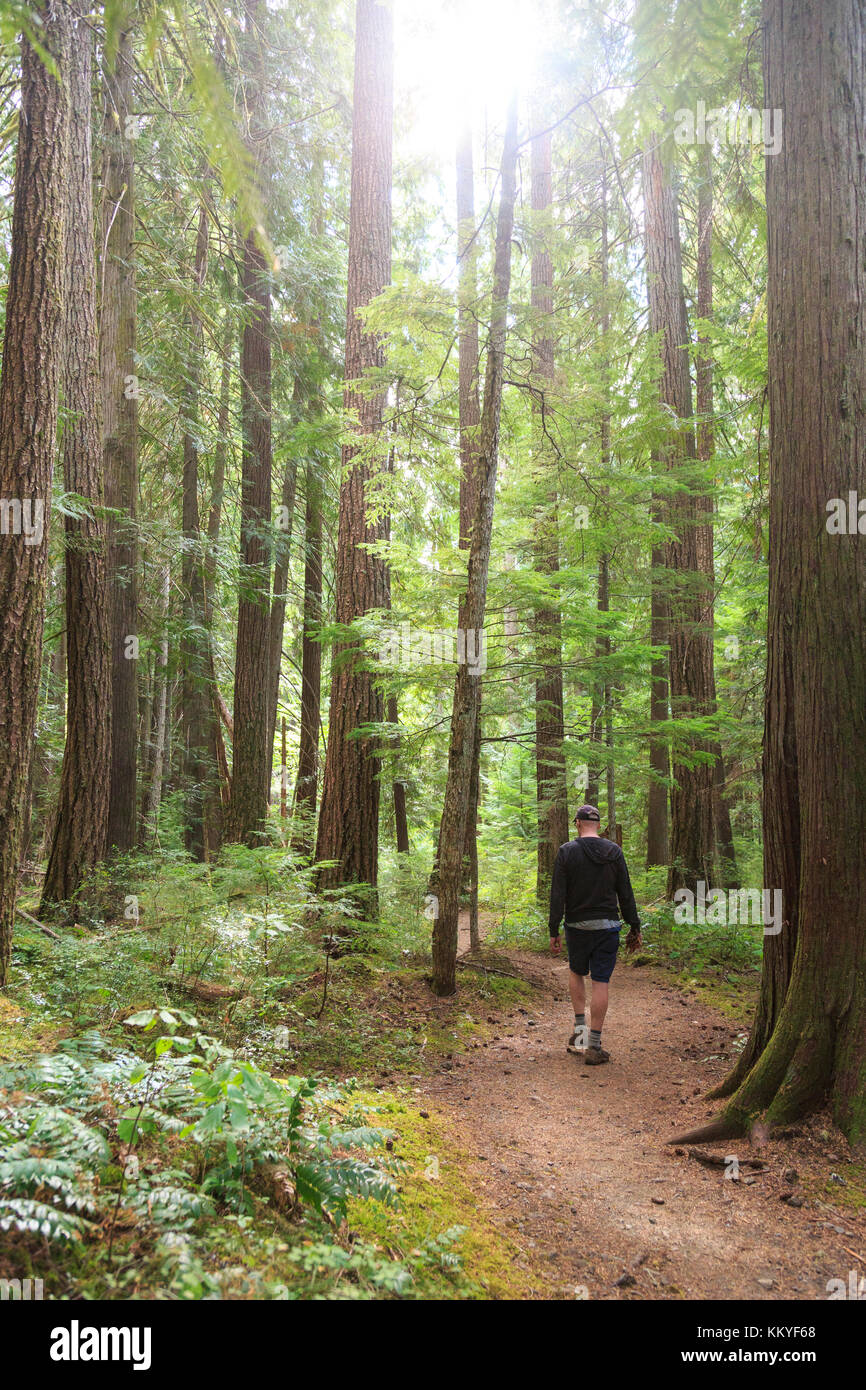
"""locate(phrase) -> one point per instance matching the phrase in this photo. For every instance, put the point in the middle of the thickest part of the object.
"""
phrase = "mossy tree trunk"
(809, 1038)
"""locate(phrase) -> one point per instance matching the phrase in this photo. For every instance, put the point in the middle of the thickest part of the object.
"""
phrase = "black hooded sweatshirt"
(589, 875)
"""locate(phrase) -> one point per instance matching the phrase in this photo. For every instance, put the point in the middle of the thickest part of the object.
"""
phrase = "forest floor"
(572, 1163)
(517, 1172)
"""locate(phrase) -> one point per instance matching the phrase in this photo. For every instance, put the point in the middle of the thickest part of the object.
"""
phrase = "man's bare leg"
(577, 990)
(598, 1005)
(595, 1053)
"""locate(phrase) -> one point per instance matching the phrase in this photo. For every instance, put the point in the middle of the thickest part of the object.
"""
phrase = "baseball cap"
(587, 812)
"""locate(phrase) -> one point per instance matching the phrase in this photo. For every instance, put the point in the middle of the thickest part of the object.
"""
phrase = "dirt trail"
(572, 1159)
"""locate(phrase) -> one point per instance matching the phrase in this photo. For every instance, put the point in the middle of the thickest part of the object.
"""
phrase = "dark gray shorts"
(592, 953)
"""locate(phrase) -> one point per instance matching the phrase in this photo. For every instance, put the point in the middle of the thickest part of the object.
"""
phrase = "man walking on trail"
(590, 876)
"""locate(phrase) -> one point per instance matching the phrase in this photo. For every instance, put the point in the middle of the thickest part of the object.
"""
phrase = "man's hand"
(555, 945)
(634, 940)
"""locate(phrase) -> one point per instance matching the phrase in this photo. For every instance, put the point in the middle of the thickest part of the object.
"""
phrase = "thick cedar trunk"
(551, 790)
(200, 725)
(349, 817)
(691, 831)
(252, 744)
(304, 810)
(81, 826)
(724, 841)
(445, 881)
(810, 1030)
(117, 330)
(28, 420)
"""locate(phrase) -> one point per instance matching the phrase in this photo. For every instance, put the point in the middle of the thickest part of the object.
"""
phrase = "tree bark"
(464, 718)
(29, 378)
(349, 818)
(691, 827)
(81, 827)
(551, 789)
(809, 1037)
(725, 852)
(252, 744)
(117, 337)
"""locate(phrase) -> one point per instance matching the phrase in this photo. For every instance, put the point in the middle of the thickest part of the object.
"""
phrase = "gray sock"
(595, 1037)
(579, 1021)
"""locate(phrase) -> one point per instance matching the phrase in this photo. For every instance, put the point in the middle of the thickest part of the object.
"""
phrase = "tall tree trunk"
(200, 725)
(810, 1027)
(117, 335)
(28, 420)
(724, 841)
(81, 826)
(550, 781)
(692, 841)
(252, 746)
(469, 412)
(601, 723)
(445, 880)
(349, 817)
(304, 809)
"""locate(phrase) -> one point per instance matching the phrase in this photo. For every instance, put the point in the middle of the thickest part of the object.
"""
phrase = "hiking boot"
(595, 1056)
(575, 1044)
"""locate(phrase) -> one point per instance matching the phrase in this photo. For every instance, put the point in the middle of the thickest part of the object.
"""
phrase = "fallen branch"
(41, 925)
(489, 969)
(717, 1161)
(705, 1134)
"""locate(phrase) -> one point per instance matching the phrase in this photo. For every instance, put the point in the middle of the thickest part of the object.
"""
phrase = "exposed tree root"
(789, 1079)
(723, 1127)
